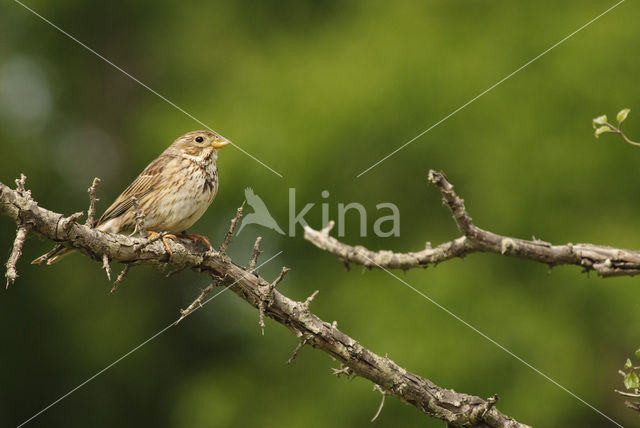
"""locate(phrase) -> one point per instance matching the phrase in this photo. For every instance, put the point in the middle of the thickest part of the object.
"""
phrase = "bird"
(260, 215)
(172, 192)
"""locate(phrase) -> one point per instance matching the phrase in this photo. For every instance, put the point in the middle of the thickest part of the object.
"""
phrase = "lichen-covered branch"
(454, 408)
(16, 253)
(605, 261)
(93, 202)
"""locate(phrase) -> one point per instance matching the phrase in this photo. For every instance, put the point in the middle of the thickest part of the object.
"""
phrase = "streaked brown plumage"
(173, 192)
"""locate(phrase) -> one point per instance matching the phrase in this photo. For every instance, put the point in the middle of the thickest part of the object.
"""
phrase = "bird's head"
(198, 143)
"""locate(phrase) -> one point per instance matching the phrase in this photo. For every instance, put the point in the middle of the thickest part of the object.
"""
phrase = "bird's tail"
(54, 256)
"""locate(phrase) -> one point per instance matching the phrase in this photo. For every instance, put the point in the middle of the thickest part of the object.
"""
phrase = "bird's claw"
(164, 240)
(200, 238)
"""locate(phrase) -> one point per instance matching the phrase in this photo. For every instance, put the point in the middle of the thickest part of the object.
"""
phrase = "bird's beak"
(219, 143)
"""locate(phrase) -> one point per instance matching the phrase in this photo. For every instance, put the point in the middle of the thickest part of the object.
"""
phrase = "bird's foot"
(193, 237)
(164, 240)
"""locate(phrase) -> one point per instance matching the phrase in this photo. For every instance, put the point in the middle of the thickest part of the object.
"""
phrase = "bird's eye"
(199, 139)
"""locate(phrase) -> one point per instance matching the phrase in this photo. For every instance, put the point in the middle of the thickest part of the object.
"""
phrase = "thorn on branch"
(232, 228)
(71, 220)
(275, 283)
(16, 253)
(106, 266)
(307, 302)
(120, 278)
(175, 271)
(91, 213)
(626, 394)
(303, 341)
(256, 254)
(20, 183)
(43, 258)
(478, 414)
(198, 302)
(632, 405)
(325, 230)
(343, 370)
(384, 394)
(452, 201)
(261, 308)
(20, 186)
(139, 217)
(266, 297)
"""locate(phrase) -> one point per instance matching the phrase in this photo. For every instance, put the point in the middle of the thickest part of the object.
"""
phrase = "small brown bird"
(173, 192)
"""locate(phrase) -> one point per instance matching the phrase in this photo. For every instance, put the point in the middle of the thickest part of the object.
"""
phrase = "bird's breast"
(185, 200)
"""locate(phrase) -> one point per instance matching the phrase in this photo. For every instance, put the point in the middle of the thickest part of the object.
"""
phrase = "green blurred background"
(319, 91)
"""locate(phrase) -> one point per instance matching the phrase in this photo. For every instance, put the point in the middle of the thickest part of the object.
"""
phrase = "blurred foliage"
(631, 382)
(319, 91)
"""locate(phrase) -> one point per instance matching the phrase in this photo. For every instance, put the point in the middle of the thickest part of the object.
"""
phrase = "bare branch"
(43, 258)
(388, 259)
(267, 296)
(633, 405)
(91, 213)
(606, 261)
(232, 228)
(478, 414)
(450, 199)
(256, 254)
(627, 394)
(283, 272)
(106, 266)
(69, 221)
(198, 302)
(20, 186)
(450, 406)
(16, 253)
(120, 278)
(303, 341)
(307, 302)
(384, 394)
(343, 370)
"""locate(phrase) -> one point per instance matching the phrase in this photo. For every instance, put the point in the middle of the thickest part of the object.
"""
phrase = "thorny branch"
(93, 201)
(106, 266)
(232, 228)
(120, 278)
(384, 394)
(267, 295)
(21, 235)
(606, 261)
(16, 252)
(256, 253)
(198, 302)
(456, 409)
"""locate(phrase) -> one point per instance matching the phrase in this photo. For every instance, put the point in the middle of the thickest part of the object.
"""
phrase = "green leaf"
(622, 115)
(627, 364)
(638, 353)
(631, 381)
(600, 120)
(602, 130)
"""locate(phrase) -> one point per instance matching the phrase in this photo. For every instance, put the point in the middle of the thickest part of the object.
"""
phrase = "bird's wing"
(145, 183)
